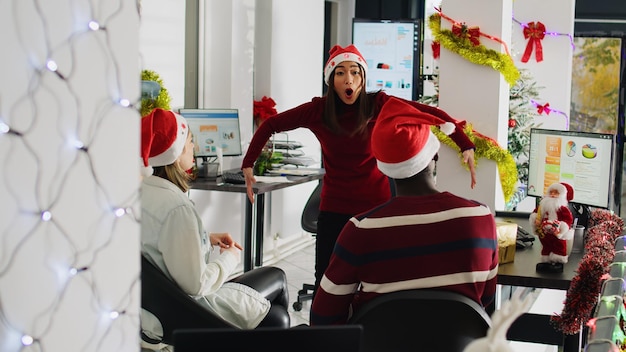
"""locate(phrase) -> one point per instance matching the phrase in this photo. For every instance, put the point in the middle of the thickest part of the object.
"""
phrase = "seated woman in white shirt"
(174, 239)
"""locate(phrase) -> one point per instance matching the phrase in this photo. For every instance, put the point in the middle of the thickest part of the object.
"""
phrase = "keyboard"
(233, 177)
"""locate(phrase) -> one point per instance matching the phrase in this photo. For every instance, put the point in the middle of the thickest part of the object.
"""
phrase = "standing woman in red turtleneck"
(342, 121)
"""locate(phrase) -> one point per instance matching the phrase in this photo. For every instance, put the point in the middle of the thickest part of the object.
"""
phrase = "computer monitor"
(584, 160)
(392, 49)
(213, 129)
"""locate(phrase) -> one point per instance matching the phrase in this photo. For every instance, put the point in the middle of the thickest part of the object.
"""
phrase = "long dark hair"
(365, 103)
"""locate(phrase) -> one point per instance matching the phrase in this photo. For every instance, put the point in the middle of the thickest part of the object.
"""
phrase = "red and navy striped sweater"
(438, 241)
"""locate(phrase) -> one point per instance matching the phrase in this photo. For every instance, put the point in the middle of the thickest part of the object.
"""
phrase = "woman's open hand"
(468, 158)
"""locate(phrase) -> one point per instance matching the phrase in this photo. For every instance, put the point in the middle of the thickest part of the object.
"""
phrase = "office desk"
(253, 241)
(521, 272)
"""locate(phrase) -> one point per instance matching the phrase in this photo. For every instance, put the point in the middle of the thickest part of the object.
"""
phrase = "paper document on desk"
(271, 179)
(293, 172)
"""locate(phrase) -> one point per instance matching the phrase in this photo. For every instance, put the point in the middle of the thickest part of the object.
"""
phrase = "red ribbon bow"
(263, 109)
(545, 107)
(534, 32)
(461, 30)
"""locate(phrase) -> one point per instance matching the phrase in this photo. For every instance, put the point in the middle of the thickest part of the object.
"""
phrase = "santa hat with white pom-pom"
(163, 137)
(402, 142)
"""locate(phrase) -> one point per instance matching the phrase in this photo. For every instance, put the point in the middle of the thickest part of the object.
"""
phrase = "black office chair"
(302, 338)
(421, 320)
(308, 221)
(174, 308)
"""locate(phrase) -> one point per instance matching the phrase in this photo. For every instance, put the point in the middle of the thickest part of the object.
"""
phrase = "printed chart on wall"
(583, 160)
(392, 52)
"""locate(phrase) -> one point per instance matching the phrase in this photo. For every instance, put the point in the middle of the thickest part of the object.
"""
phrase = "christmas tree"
(522, 114)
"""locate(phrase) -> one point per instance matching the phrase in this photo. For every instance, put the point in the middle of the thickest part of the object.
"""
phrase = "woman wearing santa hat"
(342, 121)
(174, 239)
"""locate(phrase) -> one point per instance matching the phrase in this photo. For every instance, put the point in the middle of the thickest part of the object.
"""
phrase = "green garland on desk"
(488, 148)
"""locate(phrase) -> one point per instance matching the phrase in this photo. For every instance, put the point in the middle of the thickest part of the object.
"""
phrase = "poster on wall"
(392, 51)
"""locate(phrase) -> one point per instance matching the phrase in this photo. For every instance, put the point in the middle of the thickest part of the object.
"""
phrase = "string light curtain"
(69, 180)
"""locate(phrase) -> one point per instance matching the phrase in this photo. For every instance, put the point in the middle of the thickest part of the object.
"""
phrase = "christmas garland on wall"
(488, 148)
(478, 54)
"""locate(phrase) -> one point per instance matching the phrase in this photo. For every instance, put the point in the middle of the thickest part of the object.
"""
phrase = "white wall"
(69, 147)
(162, 44)
(295, 69)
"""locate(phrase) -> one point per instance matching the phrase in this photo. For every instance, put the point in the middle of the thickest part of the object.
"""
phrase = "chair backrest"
(343, 338)
(174, 308)
(311, 210)
(421, 320)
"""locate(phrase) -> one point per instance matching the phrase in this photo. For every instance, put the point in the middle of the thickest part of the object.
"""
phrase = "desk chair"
(421, 320)
(340, 338)
(308, 221)
(174, 308)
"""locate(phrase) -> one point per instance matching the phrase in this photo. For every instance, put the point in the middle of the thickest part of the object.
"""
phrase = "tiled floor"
(299, 267)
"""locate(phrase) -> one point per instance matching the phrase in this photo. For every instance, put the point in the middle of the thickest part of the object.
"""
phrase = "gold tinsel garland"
(477, 54)
(161, 101)
(488, 148)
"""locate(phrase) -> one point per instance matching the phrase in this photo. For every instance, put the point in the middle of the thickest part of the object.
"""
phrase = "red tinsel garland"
(582, 295)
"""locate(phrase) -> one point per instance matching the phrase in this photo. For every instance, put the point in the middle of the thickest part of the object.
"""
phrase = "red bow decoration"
(534, 32)
(542, 108)
(461, 30)
(263, 109)
(436, 47)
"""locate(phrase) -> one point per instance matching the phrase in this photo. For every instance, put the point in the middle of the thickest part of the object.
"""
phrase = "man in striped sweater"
(420, 239)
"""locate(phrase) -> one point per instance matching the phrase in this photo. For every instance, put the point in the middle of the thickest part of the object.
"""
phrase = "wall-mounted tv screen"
(213, 129)
(393, 53)
(584, 160)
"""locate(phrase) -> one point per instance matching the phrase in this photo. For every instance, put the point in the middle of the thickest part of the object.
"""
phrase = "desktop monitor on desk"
(215, 132)
(584, 160)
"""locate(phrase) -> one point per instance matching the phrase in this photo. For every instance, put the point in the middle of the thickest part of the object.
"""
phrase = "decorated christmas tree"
(522, 114)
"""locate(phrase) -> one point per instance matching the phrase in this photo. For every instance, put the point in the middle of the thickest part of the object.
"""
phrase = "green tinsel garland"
(477, 54)
(488, 148)
(162, 100)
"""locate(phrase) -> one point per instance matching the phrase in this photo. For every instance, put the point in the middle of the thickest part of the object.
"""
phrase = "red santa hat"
(402, 142)
(339, 55)
(570, 191)
(163, 137)
(565, 190)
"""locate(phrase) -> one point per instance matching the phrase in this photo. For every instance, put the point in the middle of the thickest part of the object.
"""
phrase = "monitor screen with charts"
(213, 129)
(583, 160)
(392, 49)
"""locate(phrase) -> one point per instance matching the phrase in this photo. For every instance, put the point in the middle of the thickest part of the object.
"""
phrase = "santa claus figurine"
(552, 222)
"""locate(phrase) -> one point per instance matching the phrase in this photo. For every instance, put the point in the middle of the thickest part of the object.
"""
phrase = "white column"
(476, 93)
